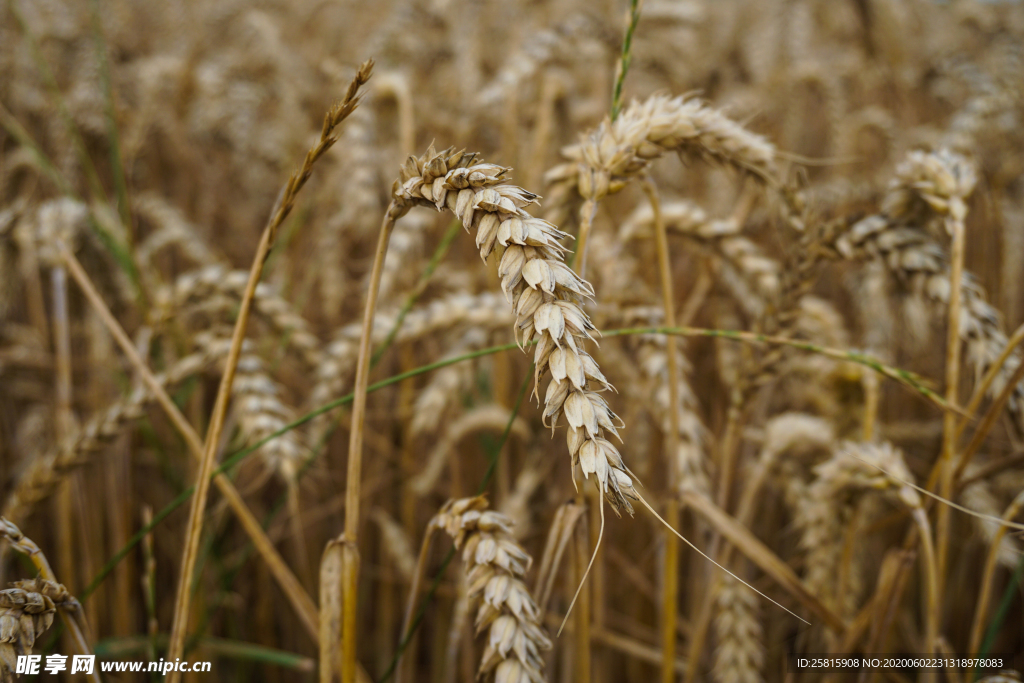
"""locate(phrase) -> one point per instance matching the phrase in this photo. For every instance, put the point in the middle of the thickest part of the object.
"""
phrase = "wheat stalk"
(334, 117)
(291, 586)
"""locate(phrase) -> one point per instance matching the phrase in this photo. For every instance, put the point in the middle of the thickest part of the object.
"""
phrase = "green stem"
(116, 162)
(902, 376)
(626, 57)
(999, 617)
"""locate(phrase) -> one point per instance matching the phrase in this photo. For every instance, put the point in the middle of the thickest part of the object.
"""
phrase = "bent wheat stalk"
(290, 585)
(284, 205)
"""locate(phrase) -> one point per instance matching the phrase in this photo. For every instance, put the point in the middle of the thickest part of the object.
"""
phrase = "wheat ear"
(544, 292)
(495, 567)
(34, 599)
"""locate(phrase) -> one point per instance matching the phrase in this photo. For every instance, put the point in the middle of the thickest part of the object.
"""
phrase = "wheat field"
(456, 340)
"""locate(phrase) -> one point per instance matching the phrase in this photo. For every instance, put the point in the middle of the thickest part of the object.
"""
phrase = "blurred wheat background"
(789, 233)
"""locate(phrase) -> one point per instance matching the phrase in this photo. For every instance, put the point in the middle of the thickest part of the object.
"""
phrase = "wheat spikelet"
(603, 162)
(542, 48)
(27, 607)
(171, 229)
(739, 655)
(752, 276)
(654, 368)
(544, 292)
(215, 290)
(854, 468)
(486, 310)
(46, 471)
(446, 388)
(927, 187)
(495, 567)
(442, 391)
(54, 221)
(929, 184)
(813, 89)
(26, 612)
(517, 504)
(793, 443)
(260, 411)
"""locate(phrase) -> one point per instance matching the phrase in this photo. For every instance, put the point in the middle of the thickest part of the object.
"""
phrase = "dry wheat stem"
(290, 585)
(670, 569)
(559, 534)
(582, 645)
(414, 591)
(332, 119)
(955, 226)
(353, 475)
(65, 420)
(988, 573)
(931, 572)
(330, 611)
(585, 610)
